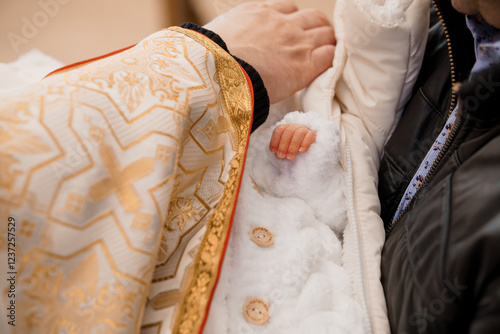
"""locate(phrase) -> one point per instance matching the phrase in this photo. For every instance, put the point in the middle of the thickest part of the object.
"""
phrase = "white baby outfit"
(317, 268)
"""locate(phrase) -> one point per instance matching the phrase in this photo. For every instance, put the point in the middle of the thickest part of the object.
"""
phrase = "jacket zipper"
(454, 128)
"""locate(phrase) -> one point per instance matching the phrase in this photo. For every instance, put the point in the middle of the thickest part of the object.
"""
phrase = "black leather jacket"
(441, 260)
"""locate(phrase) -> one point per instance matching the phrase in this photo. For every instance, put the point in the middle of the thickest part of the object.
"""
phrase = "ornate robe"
(118, 182)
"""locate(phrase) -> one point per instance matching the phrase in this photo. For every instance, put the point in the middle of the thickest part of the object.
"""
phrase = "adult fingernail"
(302, 149)
(281, 154)
(273, 149)
(290, 156)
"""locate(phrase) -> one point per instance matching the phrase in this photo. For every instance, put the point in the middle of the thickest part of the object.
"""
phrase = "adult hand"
(289, 48)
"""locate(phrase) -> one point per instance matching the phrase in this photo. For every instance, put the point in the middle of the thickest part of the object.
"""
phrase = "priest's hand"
(289, 139)
(289, 48)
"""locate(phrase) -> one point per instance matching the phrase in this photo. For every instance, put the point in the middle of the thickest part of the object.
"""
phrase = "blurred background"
(75, 30)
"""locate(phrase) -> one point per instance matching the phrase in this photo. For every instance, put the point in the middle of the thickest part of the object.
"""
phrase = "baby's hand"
(288, 139)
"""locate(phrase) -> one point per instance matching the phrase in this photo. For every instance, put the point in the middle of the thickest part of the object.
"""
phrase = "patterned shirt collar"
(487, 42)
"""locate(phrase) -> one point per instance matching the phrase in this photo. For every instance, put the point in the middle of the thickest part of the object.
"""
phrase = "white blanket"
(301, 276)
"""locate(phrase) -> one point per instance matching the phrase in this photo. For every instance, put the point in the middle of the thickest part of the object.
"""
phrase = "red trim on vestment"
(88, 61)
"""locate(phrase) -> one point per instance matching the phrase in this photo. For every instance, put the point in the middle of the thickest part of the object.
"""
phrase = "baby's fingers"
(289, 139)
(276, 138)
(297, 142)
(281, 139)
(288, 133)
(309, 139)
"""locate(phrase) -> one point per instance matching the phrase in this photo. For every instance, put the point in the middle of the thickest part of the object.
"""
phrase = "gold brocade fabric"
(122, 177)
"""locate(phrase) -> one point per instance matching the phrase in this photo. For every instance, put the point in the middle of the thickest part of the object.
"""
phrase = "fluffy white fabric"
(386, 13)
(301, 276)
(27, 69)
(314, 177)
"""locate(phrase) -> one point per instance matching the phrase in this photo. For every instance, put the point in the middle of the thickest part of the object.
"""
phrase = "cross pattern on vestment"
(120, 180)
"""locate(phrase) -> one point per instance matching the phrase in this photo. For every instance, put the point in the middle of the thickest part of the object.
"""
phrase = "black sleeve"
(261, 99)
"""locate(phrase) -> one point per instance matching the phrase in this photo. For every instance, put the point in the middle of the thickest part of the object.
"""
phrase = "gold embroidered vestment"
(122, 177)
